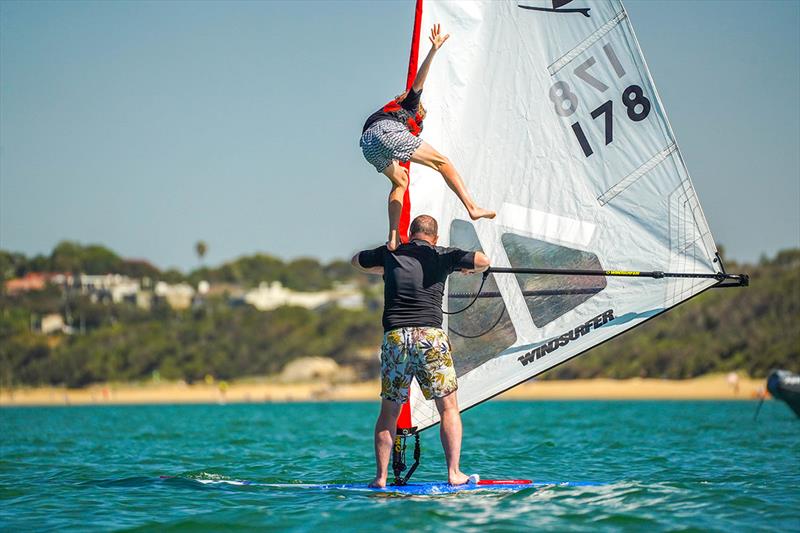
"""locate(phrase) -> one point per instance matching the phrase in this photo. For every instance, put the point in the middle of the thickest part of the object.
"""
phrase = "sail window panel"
(550, 296)
(484, 330)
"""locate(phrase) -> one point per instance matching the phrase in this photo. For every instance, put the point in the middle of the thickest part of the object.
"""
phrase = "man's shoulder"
(444, 250)
(419, 246)
(373, 257)
(379, 249)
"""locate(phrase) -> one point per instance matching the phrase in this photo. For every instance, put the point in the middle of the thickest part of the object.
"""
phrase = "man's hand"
(436, 38)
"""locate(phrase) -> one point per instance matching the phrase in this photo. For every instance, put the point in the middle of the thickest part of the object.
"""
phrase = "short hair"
(424, 224)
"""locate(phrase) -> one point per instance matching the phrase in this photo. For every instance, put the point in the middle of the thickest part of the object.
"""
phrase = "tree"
(93, 259)
(200, 249)
(305, 274)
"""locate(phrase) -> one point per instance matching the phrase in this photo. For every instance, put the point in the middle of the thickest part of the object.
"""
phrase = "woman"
(390, 136)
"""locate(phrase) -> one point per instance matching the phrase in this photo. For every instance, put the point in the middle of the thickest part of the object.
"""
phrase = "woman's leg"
(399, 178)
(427, 155)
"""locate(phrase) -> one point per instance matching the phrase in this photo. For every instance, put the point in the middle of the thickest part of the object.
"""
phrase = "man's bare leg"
(450, 433)
(399, 178)
(427, 155)
(385, 429)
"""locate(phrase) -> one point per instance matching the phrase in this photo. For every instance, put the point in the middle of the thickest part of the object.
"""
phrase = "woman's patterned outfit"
(392, 132)
(387, 141)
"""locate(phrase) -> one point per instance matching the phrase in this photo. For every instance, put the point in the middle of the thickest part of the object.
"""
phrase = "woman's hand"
(436, 38)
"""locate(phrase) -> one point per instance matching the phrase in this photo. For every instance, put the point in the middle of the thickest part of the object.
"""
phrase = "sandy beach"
(712, 387)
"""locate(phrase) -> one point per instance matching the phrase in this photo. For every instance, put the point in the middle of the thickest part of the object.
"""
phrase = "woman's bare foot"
(377, 483)
(393, 242)
(479, 212)
(457, 478)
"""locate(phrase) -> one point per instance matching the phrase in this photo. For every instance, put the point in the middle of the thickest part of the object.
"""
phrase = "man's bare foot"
(377, 483)
(459, 478)
(479, 212)
(393, 242)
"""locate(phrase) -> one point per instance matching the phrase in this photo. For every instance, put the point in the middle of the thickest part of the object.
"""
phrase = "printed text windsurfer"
(563, 340)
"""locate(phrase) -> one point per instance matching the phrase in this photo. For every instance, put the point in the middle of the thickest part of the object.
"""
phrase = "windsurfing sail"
(550, 113)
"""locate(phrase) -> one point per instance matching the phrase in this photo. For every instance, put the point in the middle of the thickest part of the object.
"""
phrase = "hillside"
(752, 329)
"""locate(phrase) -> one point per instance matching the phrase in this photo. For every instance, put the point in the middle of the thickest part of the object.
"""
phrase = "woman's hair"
(421, 111)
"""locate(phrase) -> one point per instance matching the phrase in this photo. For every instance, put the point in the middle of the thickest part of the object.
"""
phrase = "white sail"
(549, 112)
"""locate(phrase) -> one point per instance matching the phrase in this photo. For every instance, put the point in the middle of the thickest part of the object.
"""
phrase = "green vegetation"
(753, 329)
(121, 342)
(124, 343)
(304, 274)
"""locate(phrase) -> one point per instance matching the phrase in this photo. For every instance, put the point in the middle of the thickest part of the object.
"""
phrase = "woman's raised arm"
(437, 40)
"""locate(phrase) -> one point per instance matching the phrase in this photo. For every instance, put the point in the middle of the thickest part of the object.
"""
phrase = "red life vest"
(414, 124)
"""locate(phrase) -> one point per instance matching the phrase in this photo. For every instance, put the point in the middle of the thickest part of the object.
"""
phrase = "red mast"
(404, 422)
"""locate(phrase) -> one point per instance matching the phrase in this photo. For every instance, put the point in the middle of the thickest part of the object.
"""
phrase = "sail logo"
(558, 7)
(562, 340)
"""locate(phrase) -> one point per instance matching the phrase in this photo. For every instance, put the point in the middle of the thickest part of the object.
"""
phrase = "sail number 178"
(565, 101)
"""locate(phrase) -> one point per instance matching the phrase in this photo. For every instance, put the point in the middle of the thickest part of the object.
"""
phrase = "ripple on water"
(667, 465)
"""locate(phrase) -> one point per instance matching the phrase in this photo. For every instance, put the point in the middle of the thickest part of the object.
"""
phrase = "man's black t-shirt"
(414, 276)
(409, 104)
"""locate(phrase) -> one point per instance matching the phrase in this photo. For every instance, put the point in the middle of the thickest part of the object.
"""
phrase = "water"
(667, 465)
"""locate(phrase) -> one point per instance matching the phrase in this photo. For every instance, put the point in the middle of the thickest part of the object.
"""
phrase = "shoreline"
(711, 387)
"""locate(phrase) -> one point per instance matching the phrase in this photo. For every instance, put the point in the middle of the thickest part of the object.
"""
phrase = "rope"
(483, 280)
(502, 314)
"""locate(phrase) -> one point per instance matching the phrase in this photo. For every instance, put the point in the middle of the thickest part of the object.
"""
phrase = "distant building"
(51, 323)
(177, 296)
(142, 299)
(32, 281)
(116, 287)
(230, 291)
(270, 296)
(36, 281)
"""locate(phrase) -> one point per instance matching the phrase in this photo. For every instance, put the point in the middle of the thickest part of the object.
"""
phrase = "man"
(414, 344)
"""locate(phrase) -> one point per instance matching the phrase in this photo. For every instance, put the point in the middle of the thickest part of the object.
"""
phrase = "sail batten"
(567, 58)
(554, 121)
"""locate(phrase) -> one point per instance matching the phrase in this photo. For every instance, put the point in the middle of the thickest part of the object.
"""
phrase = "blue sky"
(146, 126)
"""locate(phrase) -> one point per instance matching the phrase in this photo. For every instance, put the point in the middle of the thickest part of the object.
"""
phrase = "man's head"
(424, 227)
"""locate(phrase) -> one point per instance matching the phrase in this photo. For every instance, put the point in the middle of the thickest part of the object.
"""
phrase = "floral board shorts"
(422, 353)
(387, 141)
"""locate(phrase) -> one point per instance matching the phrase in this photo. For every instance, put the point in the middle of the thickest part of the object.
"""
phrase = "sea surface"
(666, 466)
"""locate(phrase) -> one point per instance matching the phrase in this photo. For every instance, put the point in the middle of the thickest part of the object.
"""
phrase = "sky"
(147, 126)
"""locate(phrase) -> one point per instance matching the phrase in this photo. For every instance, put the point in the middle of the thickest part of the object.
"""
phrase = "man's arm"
(480, 264)
(367, 270)
(437, 40)
(466, 261)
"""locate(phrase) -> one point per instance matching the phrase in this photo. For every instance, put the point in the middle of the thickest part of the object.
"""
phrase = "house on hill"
(270, 296)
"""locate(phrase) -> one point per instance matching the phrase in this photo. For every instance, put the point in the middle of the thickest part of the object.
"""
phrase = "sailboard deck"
(421, 488)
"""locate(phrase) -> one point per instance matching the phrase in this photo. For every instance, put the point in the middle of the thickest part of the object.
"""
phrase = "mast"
(404, 426)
